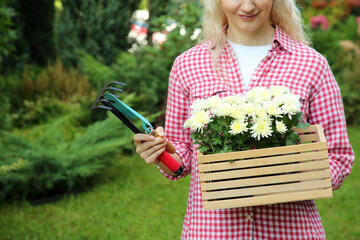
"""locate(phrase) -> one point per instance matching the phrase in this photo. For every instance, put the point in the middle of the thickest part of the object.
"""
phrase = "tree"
(7, 34)
(100, 27)
(157, 8)
(33, 24)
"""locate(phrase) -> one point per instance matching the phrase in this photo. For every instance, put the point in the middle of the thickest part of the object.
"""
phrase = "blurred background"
(69, 173)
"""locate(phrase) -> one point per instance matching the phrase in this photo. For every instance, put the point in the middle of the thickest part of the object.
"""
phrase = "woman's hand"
(150, 148)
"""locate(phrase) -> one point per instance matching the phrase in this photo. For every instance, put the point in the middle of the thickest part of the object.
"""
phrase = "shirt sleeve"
(326, 108)
(178, 105)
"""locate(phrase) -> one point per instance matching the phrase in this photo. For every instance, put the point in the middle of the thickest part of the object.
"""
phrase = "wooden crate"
(267, 176)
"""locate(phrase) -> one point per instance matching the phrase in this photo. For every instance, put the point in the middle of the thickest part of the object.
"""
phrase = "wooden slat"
(267, 190)
(309, 138)
(312, 128)
(320, 133)
(265, 170)
(320, 174)
(262, 152)
(272, 199)
(256, 162)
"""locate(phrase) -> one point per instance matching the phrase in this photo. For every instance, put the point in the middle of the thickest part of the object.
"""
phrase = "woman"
(251, 43)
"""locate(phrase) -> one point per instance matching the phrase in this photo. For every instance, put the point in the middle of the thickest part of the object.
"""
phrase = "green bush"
(5, 121)
(100, 27)
(60, 159)
(350, 89)
(7, 34)
(98, 73)
(146, 72)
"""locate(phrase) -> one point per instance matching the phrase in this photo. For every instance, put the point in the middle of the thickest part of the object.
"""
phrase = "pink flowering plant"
(262, 118)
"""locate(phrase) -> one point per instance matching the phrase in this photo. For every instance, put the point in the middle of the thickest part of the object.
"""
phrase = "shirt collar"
(284, 40)
(281, 38)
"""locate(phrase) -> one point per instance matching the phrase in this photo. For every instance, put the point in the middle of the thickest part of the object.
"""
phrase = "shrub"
(59, 160)
(350, 89)
(100, 27)
(7, 34)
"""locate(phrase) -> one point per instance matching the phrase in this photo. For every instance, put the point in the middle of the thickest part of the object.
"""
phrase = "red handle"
(171, 163)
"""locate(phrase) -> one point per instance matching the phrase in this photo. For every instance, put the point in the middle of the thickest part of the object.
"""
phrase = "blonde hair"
(284, 14)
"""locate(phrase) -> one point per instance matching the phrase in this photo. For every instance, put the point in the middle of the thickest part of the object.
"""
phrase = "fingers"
(139, 138)
(148, 147)
(159, 132)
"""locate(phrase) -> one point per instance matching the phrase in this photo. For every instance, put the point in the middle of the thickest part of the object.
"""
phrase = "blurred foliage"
(7, 34)
(34, 27)
(340, 45)
(42, 93)
(100, 27)
(60, 159)
(350, 89)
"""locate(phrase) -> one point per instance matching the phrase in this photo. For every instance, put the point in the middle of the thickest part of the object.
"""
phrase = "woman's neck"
(260, 37)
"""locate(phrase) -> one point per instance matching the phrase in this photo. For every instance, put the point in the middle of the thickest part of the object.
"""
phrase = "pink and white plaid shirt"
(288, 63)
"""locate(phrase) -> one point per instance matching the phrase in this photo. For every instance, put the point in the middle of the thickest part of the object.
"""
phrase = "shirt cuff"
(185, 153)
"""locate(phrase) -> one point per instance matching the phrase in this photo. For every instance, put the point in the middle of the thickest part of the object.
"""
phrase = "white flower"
(212, 102)
(234, 99)
(238, 127)
(198, 120)
(250, 109)
(261, 129)
(278, 91)
(198, 105)
(273, 109)
(223, 109)
(260, 112)
(238, 113)
(280, 126)
(291, 104)
(259, 94)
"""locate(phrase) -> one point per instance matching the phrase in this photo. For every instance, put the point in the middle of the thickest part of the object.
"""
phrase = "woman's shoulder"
(308, 53)
(199, 52)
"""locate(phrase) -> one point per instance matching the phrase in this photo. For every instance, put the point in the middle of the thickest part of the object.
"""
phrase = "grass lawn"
(134, 201)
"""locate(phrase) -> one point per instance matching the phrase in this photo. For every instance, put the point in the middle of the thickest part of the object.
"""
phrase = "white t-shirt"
(249, 58)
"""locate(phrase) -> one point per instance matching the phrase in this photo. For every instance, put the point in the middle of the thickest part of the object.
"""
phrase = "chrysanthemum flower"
(249, 109)
(224, 109)
(198, 105)
(273, 109)
(261, 129)
(234, 99)
(280, 126)
(238, 127)
(291, 104)
(238, 113)
(213, 101)
(198, 120)
(259, 94)
(278, 91)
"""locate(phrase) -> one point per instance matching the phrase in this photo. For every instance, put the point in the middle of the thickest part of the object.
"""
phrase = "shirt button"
(254, 77)
(248, 217)
(206, 92)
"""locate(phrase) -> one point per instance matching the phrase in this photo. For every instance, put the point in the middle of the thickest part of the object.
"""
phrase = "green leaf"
(302, 125)
(289, 142)
(193, 135)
